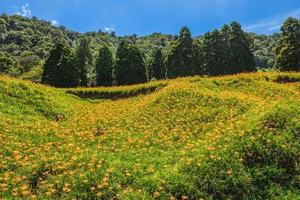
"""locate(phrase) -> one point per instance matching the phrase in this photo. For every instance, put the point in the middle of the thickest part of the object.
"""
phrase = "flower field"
(229, 137)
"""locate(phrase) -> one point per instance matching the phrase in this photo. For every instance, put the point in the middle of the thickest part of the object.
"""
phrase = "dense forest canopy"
(25, 46)
(24, 40)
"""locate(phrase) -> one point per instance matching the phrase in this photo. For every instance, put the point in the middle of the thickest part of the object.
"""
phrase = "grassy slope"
(227, 137)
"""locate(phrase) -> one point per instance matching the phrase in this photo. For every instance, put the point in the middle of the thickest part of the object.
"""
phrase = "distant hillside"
(24, 40)
(25, 44)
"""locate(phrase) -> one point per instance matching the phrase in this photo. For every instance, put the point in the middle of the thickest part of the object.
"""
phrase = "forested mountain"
(25, 44)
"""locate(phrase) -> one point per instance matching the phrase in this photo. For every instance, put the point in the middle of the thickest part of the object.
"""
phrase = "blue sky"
(147, 16)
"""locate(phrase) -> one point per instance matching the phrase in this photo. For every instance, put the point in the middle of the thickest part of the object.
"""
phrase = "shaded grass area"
(232, 137)
(287, 78)
(116, 92)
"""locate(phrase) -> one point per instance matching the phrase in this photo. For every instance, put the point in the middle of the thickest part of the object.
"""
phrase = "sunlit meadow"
(229, 137)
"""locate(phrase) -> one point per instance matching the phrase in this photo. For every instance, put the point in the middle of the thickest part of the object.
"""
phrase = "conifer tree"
(288, 48)
(104, 67)
(49, 75)
(60, 69)
(197, 58)
(138, 65)
(213, 53)
(157, 65)
(241, 57)
(130, 66)
(67, 73)
(83, 60)
(179, 56)
(227, 51)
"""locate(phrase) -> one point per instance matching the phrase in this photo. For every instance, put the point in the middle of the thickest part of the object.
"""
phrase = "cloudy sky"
(147, 16)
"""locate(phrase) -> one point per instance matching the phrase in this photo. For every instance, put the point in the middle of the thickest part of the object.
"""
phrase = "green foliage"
(263, 49)
(227, 51)
(104, 67)
(179, 55)
(83, 60)
(29, 41)
(27, 61)
(241, 58)
(130, 66)
(34, 74)
(60, 69)
(157, 67)
(68, 74)
(288, 48)
(212, 48)
(51, 65)
(21, 34)
(50, 72)
(197, 58)
(5, 63)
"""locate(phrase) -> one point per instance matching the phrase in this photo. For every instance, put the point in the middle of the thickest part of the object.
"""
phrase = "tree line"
(219, 52)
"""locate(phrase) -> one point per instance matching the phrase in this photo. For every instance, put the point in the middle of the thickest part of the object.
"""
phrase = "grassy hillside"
(231, 137)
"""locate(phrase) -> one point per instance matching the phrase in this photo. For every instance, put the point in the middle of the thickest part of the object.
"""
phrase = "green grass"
(116, 92)
(231, 137)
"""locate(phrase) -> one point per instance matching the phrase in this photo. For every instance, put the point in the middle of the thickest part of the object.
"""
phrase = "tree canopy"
(288, 49)
(130, 65)
(104, 67)
(26, 44)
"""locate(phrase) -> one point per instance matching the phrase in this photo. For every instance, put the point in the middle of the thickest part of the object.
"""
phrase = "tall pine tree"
(197, 58)
(157, 66)
(60, 69)
(67, 73)
(179, 56)
(130, 66)
(50, 72)
(212, 49)
(104, 67)
(83, 60)
(288, 48)
(227, 51)
(241, 57)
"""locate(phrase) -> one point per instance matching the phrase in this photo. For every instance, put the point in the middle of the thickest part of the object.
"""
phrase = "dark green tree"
(60, 69)
(5, 63)
(212, 51)
(227, 51)
(50, 72)
(27, 61)
(288, 48)
(130, 66)
(83, 60)
(157, 67)
(241, 57)
(138, 64)
(67, 73)
(197, 58)
(104, 67)
(179, 55)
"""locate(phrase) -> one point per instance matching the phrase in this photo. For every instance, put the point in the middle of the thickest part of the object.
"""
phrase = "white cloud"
(54, 23)
(108, 29)
(25, 11)
(270, 25)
